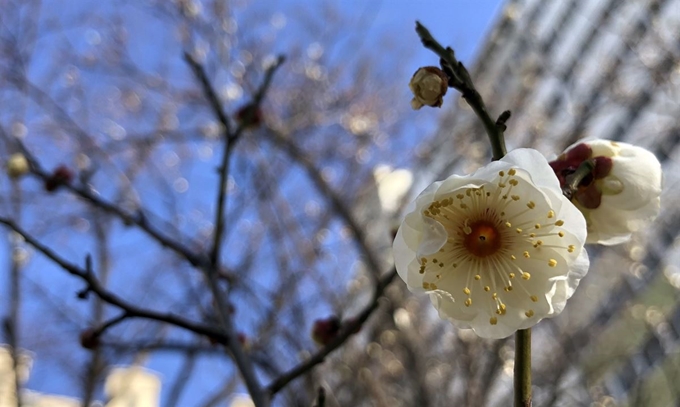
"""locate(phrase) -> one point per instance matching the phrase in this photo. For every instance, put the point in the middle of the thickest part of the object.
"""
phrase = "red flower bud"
(325, 330)
(249, 116)
(62, 175)
(89, 339)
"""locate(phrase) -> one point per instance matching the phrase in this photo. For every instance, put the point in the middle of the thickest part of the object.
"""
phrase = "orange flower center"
(483, 239)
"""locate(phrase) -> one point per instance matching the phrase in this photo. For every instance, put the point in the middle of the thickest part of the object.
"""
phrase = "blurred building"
(589, 68)
(130, 386)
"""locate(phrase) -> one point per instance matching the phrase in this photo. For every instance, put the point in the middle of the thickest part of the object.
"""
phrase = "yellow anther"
(532, 235)
(526, 254)
(512, 257)
(514, 197)
(552, 262)
(487, 288)
(434, 261)
(508, 288)
(512, 275)
(423, 260)
(441, 264)
(468, 192)
(454, 265)
(460, 196)
(526, 276)
(422, 270)
(571, 248)
(513, 182)
(426, 212)
(501, 173)
(534, 298)
(493, 320)
(531, 204)
(529, 313)
(494, 296)
(551, 214)
(433, 286)
(468, 302)
(466, 291)
(488, 194)
(508, 224)
(518, 230)
(559, 223)
(539, 242)
(512, 171)
(505, 196)
(537, 226)
(560, 234)
(463, 206)
(478, 277)
(426, 285)
(501, 184)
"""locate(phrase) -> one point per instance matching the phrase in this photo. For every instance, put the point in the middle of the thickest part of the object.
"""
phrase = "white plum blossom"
(622, 193)
(497, 250)
(429, 85)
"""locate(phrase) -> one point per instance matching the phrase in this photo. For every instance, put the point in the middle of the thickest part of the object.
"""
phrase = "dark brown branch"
(93, 285)
(347, 331)
(459, 79)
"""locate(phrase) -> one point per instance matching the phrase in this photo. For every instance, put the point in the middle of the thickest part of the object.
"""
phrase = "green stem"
(583, 170)
(523, 368)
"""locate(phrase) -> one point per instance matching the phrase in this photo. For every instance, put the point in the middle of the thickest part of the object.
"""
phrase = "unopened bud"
(429, 85)
(17, 165)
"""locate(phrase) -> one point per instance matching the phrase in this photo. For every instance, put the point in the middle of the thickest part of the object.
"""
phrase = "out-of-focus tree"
(206, 201)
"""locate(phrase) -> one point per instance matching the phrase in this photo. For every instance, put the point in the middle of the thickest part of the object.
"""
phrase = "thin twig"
(348, 330)
(459, 79)
(111, 323)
